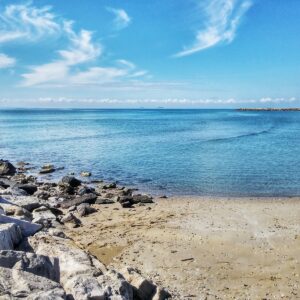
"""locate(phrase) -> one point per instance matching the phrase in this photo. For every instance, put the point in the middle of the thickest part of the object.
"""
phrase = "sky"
(141, 53)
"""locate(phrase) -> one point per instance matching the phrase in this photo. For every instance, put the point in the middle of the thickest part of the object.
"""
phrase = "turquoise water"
(189, 152)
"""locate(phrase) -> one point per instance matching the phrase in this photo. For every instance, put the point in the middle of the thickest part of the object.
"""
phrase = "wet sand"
(203, 248)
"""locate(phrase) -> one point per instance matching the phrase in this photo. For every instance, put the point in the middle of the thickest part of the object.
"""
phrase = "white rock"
(39, 265)
(10, 236)
(15, 284)
(27, 228)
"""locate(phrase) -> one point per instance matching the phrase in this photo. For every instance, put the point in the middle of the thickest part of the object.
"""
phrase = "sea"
(162, 151)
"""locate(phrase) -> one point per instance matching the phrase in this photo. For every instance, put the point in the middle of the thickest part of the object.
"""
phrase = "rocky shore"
(39, 260)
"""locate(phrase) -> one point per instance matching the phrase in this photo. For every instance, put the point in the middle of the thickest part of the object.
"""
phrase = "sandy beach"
(203, 248)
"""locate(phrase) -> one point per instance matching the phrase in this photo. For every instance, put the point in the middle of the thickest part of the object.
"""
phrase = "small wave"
(266, 131)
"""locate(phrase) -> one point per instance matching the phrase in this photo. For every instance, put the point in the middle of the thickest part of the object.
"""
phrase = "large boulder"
(30, 262)
(27, 228)
(6, 168)
(28, 202)
(17, 284)
(77, 272)
(43, 215)
(10, 236)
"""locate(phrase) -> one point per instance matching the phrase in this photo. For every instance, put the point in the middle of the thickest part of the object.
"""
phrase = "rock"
(126, 204)
(39, 265)
(88, 198)
(44, 195)
(70, 218)
(27, 228)
(71, 181)
(14, 191)
(85, 209)
(10, 236)
(77, 273)
(104, 201)
(86, 174)
(85, 190)
(15, 284)
(143, 288)
(6, 168)
(44, 216)
(30, 203)
(116, 286)
(14, 210)
(72, 208)
(46, 169)
(30, 189)
(57, 233)
(139, 198)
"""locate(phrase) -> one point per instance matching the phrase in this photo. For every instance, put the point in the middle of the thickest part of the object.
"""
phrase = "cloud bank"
(221, 21)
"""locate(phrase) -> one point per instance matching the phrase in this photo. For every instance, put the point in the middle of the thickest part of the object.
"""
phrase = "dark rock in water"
(104, 201)
(88, 198)
(30, 189)
(85, 209)
(46, 169)
(6, 168)
(71, 181)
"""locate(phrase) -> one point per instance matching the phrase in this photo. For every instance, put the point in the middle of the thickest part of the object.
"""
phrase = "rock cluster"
(37, 259)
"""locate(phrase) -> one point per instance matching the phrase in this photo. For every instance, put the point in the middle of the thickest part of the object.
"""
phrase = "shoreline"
(190, 247)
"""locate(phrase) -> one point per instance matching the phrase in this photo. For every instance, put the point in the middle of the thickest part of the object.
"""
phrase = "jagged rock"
(85, 209)
(104, 201)
(85, 190)
(10, 236)
(144, 289)
(27, 228)
(88, 198)
(15, 284)
(43, 215)
(30, 203)
(7, 168)
(77, 273)
(30, 189)
(141, 199)
(71, 181)
(30, 262)
(70, 218)
(116, 285)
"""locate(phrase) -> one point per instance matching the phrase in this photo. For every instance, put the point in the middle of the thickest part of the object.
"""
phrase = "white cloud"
(221, 20)
(26, 22)
(121, 19)
(6, 61)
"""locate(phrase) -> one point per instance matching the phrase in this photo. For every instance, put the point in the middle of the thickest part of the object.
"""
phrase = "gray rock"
(10, 236)
(70, 218)
(6, 168)
(88, 198)
(77, 273)
(16, 284)
(104, 201)
(85, 209)
(143, 288)
(30, 203)
(30, 189)
(71, 181)
(30, 262)
(46, 169)
(85, 174)
(139, 198)
(116, 286)
(27, 228)
(43, 215)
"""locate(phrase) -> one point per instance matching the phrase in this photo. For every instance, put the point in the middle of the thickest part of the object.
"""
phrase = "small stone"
(86, 174)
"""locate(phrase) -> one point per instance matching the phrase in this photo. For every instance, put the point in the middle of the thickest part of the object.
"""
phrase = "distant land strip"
(268, 109)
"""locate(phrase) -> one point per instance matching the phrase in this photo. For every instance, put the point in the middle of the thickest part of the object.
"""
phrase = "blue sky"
(140, 53)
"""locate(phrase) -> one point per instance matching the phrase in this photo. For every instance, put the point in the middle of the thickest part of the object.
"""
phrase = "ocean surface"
(172, 152)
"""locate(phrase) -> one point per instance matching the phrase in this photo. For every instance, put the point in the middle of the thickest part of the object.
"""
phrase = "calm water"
(191, 152)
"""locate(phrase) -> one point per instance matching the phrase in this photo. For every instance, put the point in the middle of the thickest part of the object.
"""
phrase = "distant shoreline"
(268, 109)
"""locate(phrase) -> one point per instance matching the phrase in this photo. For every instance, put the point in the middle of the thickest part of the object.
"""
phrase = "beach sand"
(203, 248)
